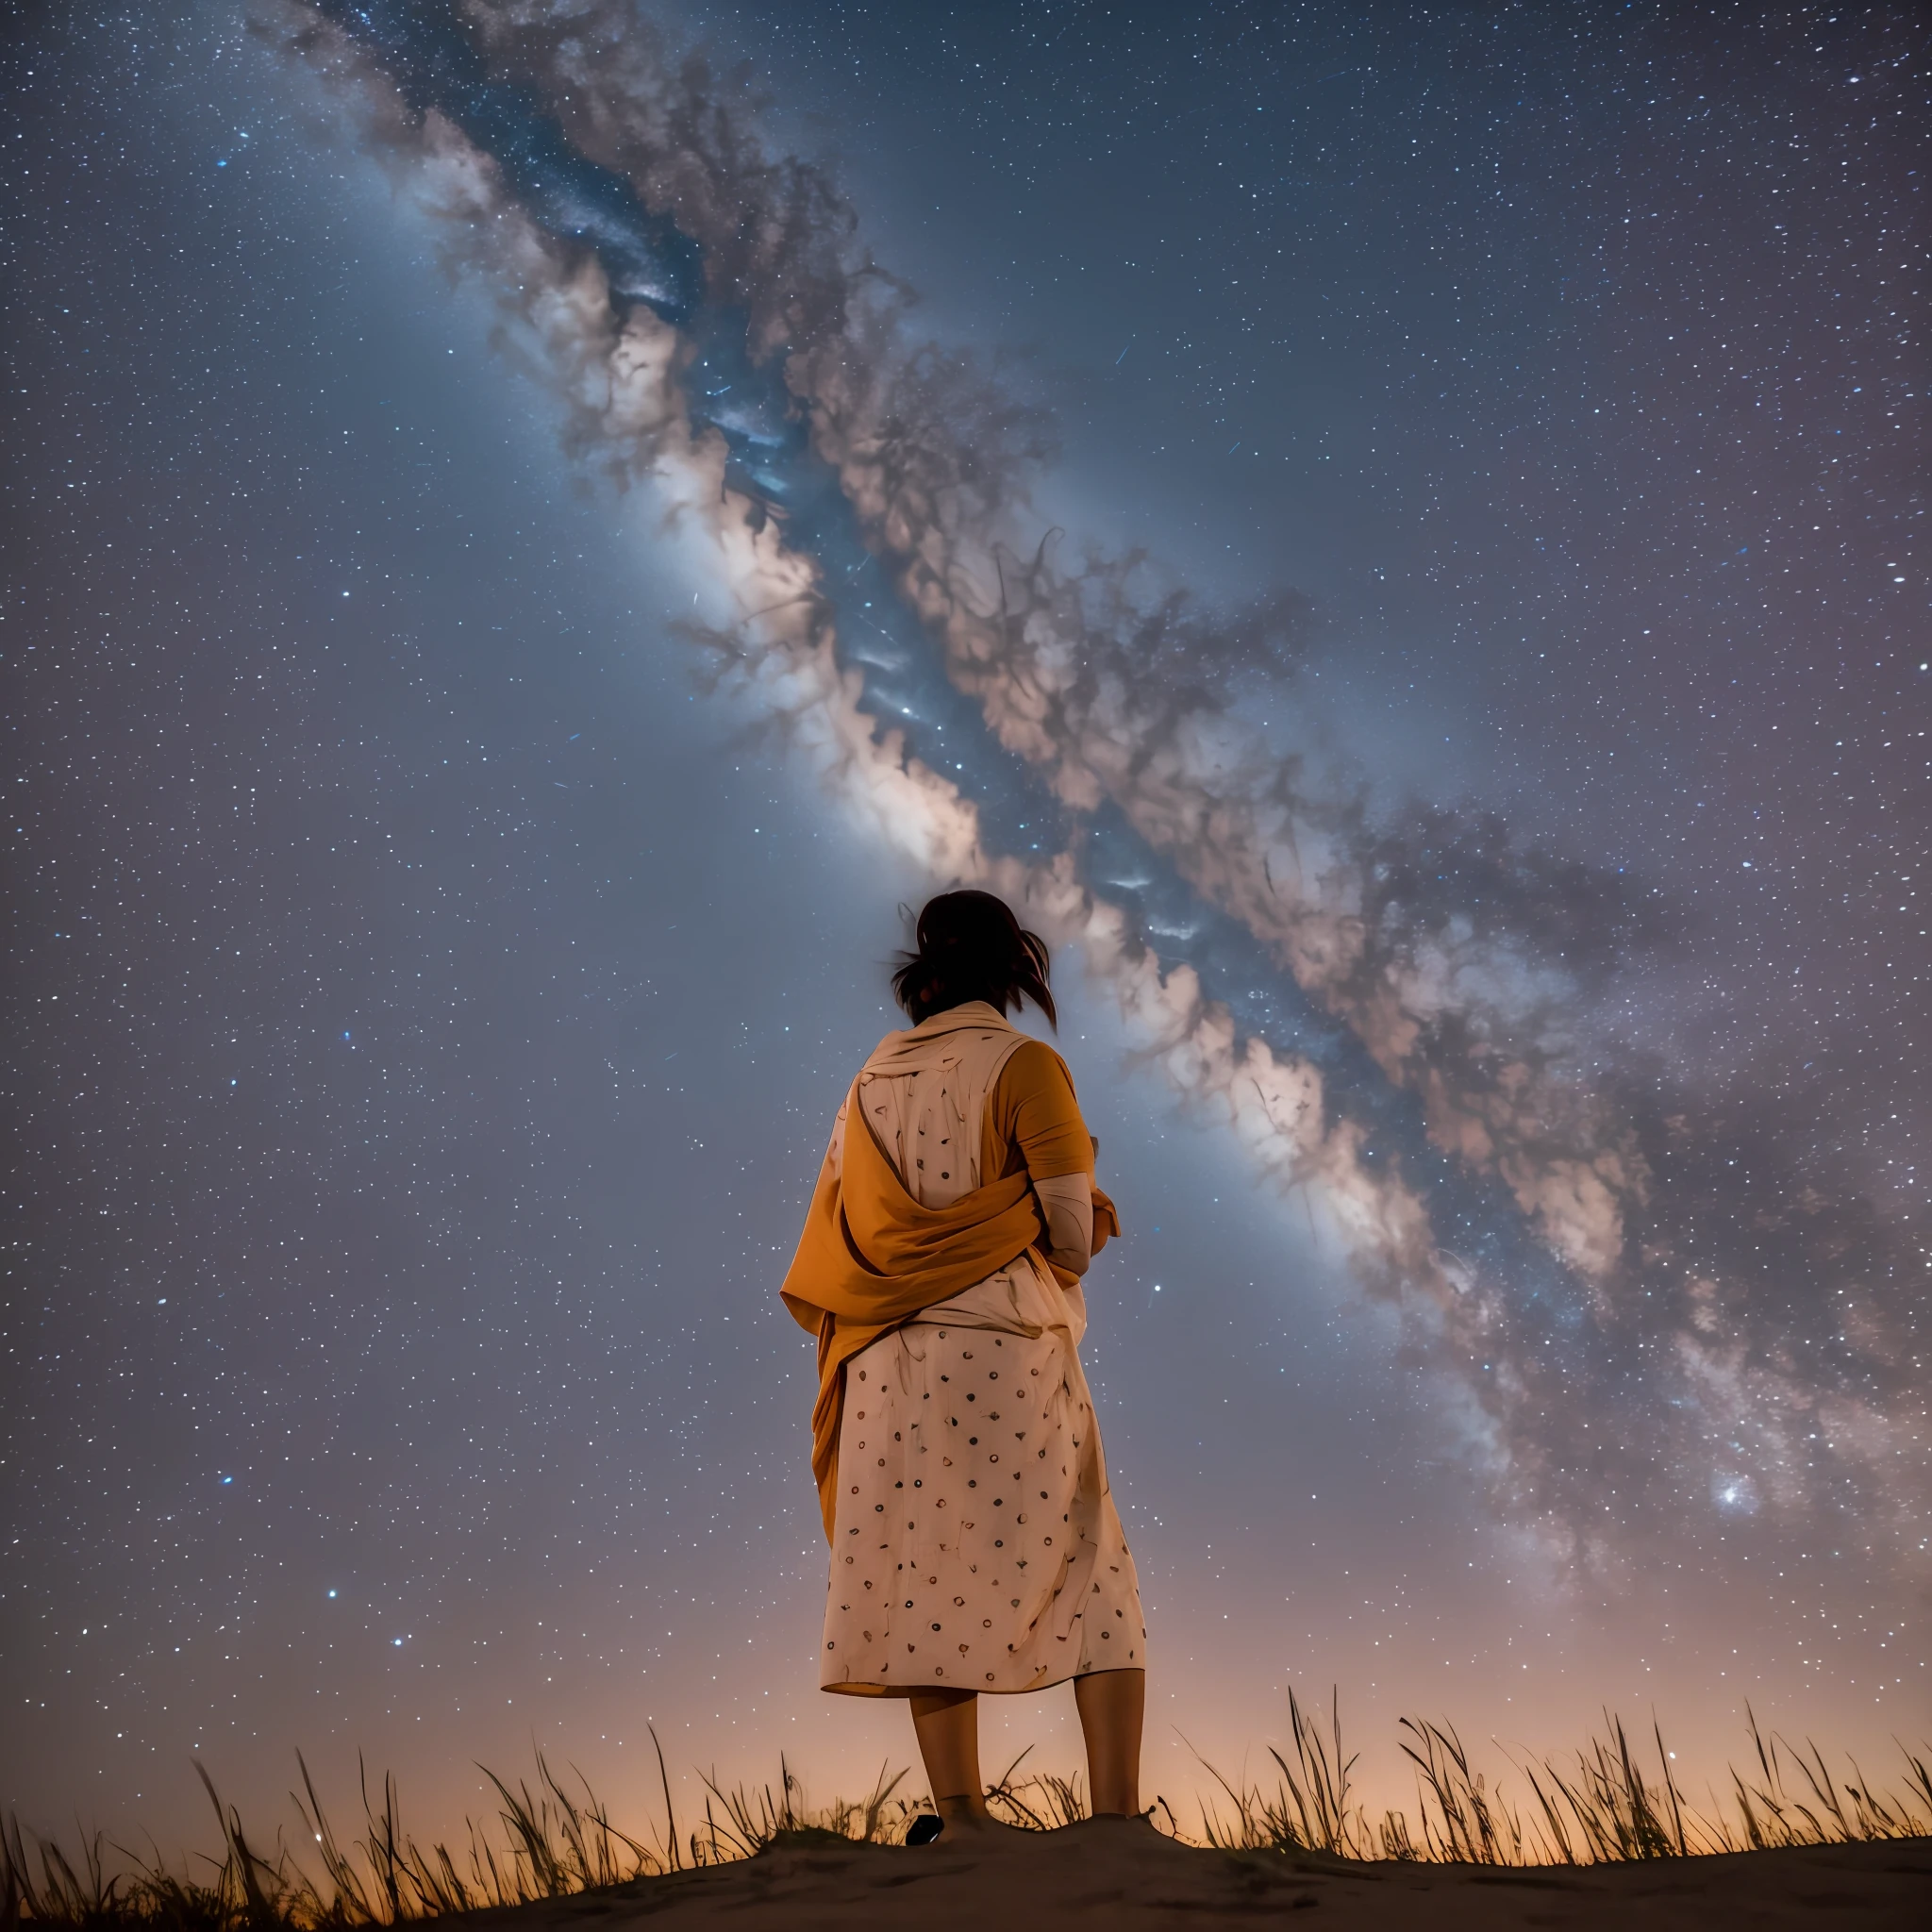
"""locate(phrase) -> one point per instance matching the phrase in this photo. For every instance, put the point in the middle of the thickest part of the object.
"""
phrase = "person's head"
(970, 947)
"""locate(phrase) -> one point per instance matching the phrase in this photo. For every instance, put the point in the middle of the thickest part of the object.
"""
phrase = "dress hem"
(976, 1690)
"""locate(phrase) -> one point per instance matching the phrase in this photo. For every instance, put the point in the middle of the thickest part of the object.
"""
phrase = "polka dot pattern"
(976, 1544)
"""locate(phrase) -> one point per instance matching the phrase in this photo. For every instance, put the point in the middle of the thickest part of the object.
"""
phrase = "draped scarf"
(871, 1257)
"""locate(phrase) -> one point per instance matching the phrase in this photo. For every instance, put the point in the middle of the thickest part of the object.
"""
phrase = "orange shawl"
(870, 1257)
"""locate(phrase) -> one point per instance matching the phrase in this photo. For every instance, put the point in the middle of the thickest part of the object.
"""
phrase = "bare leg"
(946, 1723)
(1111, 1704)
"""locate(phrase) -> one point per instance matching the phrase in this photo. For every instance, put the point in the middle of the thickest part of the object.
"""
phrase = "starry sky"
(534, 532)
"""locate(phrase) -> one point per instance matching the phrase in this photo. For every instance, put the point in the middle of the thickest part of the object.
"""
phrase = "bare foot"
(980, 1826)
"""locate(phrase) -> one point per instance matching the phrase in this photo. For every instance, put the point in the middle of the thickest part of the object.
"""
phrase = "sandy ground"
(1112, 1874)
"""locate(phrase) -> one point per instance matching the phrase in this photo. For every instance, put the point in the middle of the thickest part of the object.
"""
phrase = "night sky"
(534, 532)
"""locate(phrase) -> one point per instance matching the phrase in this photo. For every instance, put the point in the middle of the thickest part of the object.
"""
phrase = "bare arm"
(1067, 1202)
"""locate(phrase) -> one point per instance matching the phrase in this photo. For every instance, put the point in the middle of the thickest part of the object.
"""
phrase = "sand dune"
(1113, 1874)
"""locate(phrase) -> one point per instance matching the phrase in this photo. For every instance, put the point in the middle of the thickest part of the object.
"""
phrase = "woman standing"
(976, 1546)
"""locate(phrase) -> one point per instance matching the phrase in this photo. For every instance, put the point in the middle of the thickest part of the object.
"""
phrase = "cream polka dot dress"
(975, 1544)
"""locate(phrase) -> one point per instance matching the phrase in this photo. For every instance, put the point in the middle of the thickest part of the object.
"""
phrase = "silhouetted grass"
(1606, 1808)
(1042, 1802)
(1308, 1810)
(551, 1837)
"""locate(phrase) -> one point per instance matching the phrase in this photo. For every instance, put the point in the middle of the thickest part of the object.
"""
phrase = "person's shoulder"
(1036, 1063)
(889, 1045)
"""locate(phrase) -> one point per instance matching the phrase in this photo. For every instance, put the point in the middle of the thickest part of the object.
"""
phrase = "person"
(976, 1546)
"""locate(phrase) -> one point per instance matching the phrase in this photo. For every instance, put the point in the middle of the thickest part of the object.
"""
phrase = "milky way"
(1686, 1281)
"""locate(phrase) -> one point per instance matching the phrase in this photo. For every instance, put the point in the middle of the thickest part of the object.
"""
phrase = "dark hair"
(970, 947)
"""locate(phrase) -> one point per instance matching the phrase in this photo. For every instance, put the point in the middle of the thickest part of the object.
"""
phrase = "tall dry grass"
(550, 1837)
(1605, 1808)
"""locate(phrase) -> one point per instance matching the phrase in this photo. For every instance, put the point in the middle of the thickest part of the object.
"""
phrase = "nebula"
(1647, 1304)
